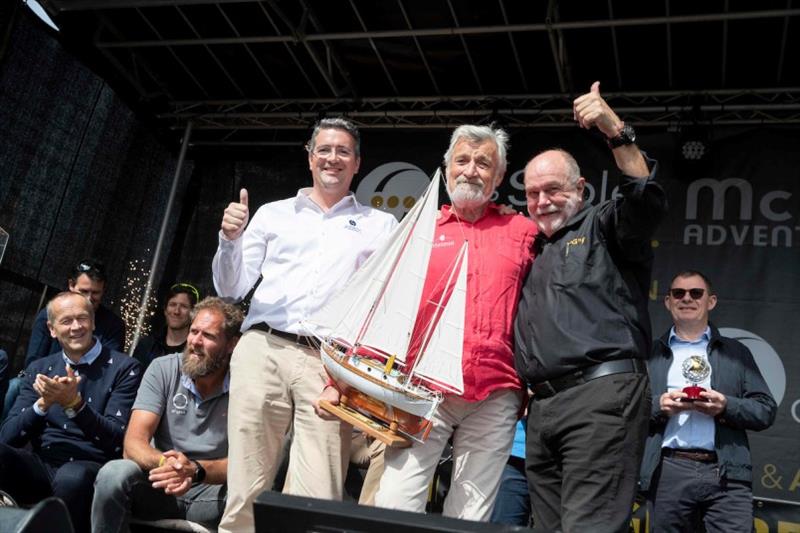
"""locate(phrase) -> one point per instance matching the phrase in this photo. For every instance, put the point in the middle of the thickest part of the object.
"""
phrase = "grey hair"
(51, 313)
(336, 123)
(232, 314)
(479, 134)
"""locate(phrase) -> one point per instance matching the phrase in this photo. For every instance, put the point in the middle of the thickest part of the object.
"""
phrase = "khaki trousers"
(482, 436)
(273, 382)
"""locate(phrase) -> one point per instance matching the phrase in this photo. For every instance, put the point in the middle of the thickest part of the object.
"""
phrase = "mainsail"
(377, 308)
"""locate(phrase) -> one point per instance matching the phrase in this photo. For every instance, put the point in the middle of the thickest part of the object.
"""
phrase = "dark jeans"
(688, 492)
(584, 448)
(513, 503)
(29, 480)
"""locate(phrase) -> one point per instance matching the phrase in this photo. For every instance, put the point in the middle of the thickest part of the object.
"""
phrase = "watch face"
(628, 134)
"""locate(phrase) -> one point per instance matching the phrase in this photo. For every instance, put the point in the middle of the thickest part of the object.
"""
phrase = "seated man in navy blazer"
(73, 408)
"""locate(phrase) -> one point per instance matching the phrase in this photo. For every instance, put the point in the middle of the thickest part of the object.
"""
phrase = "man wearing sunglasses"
(87, 278)
(697, 458)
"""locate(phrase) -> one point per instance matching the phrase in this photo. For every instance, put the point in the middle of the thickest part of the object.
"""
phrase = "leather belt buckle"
(700, 456)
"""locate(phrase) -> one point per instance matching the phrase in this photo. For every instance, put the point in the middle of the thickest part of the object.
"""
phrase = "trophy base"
(692, 393)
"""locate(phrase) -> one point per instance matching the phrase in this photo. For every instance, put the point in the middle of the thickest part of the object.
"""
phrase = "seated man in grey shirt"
(176, 445)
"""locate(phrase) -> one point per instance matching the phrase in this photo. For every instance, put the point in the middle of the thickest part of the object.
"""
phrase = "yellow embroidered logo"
(575, 242)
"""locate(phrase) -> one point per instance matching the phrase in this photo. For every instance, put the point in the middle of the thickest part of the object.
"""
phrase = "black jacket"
(152, 346)
(108, 387)
(585, 298)
(750, 405)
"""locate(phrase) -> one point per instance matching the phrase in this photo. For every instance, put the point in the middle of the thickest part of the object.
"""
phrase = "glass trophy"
(695, 370)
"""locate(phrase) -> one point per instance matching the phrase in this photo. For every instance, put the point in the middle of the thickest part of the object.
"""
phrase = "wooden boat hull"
(370, 390)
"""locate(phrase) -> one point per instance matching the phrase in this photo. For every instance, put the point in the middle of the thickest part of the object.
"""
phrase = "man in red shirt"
(481, 421)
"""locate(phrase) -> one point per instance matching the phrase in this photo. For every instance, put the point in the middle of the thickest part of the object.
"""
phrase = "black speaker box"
(49, 515)
(281, 513)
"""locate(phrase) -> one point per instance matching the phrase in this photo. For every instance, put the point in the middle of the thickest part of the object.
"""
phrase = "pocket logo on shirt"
(179, 403)
(442, 242)
(352, 226)
(577, 241)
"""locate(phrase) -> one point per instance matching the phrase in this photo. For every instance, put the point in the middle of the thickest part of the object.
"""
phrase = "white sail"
(405, 258)
(440, 362)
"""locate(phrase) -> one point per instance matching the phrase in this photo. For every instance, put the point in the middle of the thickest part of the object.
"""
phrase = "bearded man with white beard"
(482, 420)
(582, 331)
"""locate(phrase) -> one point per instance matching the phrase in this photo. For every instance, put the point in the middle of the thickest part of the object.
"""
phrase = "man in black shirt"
(181, 299)
(582, 331)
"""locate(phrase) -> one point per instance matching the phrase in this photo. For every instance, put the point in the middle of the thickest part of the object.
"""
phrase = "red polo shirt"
(500, 255)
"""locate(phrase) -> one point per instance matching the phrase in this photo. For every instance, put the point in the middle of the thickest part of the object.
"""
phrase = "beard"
(202, 366)
(566, 212)
(468, 195)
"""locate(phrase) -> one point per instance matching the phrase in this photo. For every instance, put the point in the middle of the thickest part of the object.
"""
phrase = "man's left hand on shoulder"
(712, 403)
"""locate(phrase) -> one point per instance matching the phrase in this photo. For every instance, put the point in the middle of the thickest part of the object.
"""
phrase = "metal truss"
(655, 109)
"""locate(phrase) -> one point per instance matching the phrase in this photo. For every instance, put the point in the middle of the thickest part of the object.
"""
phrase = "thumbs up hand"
(236, 216)
(591, 110)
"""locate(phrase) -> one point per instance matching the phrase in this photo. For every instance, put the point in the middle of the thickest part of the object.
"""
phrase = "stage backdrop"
(734, 217)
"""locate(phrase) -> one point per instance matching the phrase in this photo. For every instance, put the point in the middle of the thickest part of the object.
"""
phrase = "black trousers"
(584, 449)
(686, 493)
(28, 480)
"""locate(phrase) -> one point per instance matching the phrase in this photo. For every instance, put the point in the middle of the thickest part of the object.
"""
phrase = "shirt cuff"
(37, 410)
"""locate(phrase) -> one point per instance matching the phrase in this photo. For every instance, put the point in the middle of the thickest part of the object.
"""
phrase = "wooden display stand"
(386, 435)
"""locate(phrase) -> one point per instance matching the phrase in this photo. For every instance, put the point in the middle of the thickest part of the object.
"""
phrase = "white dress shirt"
(303, 253)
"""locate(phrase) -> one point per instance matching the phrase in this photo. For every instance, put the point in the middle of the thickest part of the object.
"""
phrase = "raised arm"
(241, 250)
(591, 110)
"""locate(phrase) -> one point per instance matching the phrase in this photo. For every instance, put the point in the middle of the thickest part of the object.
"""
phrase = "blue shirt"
(688, 429)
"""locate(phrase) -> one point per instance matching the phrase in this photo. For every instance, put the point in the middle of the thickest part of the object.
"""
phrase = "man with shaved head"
(582, 331)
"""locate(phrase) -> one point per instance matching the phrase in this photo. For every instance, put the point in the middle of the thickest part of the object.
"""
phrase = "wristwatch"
(199, 473)
(625, 137)
(72, 409)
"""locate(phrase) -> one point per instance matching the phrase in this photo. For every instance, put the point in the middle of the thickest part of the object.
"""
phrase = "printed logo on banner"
(720, 198)
(393, 187)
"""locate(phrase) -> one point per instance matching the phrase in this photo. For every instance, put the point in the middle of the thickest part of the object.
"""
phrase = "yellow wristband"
(162, 461)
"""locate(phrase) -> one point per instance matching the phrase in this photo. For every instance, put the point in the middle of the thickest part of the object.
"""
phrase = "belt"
(545, 389)
(302, 340)
(701, 456)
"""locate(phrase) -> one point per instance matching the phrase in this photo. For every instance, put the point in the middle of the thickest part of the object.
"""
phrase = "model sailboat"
(366, 329)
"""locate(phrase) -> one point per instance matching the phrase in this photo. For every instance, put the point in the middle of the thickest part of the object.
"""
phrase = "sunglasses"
(695, 294)
(188, 287)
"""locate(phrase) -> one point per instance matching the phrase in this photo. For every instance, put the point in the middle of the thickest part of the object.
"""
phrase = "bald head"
(553, 189)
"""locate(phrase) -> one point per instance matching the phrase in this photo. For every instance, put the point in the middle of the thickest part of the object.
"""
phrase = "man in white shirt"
(305, 248)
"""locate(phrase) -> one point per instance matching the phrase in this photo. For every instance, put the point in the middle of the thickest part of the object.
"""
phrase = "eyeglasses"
(327, 151)
(695, 294)
(191, 288)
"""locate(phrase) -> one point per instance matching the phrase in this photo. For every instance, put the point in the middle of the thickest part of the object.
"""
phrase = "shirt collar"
(88, 358)
(447, 213)
(189, 385)
(673, 337)
(302, 200)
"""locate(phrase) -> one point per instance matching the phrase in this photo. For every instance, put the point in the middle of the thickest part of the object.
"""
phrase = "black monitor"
(282, 513)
